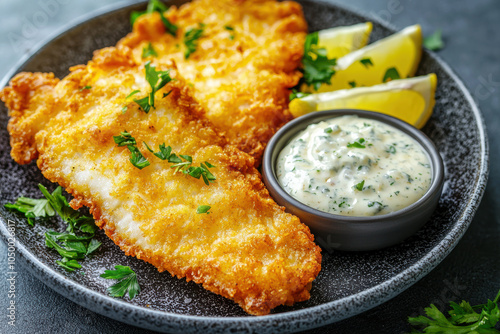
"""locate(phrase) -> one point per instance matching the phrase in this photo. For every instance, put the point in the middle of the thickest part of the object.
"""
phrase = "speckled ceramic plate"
(349, 283)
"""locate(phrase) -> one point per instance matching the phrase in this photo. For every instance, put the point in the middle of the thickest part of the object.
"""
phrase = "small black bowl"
(353, 233)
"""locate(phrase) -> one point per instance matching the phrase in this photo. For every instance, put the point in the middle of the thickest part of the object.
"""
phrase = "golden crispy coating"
(244, 64)
(246, 249)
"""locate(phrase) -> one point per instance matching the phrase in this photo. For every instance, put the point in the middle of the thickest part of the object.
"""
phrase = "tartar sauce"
(354, 166)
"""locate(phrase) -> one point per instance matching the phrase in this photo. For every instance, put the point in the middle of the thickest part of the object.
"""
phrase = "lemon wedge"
(368, 65)
(340, 41)
(411, 100)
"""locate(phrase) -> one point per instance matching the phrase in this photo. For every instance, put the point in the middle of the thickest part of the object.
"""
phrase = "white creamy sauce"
(355, 167)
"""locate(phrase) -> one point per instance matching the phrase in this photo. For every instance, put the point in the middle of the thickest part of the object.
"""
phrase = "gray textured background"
(471, 271)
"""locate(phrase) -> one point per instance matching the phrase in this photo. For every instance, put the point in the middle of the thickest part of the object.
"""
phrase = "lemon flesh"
(411, 100)
(402, 51)
(340, 41)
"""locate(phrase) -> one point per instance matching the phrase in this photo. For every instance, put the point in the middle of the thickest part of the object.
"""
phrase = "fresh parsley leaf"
(51, 242)
(73, 246)
(357, 144)
(209, 164)
(352, 84)
(391, 74)
(463, 318)
(124, 139)
(317, 67)
(391, 149)
(143, 104)
(169, 26)
(69, 265)
(164, 153)
(149, 51)
(367, 62)
(85, 88)
(157, 80)
(229, 28)
(434, 42)
(360, 185)
(93, 246)
(32, 208)
(59, 203)
(132, 94)
(156, 6)
(203, 209)
(297, 95)
(127, 281)
(136, 157)
(191, 37)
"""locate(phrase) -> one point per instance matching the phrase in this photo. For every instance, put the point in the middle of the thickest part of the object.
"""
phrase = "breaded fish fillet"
(246, 248)
(244, 64)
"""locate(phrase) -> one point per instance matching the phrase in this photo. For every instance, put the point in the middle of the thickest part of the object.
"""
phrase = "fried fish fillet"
(243, 67)
(246, 249)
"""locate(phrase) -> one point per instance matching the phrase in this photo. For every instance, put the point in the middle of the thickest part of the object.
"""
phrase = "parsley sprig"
(136, 157)
(156, 6)
(463, 318)
(157, 80)
(127, 281)
(317, 67)
(32, 208)
(73, 244)
(183, 163)
(191, 37)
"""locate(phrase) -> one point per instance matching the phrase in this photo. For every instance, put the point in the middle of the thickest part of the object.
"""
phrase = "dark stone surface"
(471, 271)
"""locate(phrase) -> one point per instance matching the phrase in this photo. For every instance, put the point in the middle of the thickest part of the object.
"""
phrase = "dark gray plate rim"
(294, 320)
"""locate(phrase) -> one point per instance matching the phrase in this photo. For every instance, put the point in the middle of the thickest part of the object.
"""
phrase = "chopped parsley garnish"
(297, 95)
(124, 139)
(136, 157)
(157, 80)
(328, 130)
(367, 62)
(149, 51)
(127, 281)
(85, 88)
(191, 39)
(352, 84)
(231, 29)
(203, 209)
(379, 205)
(77, 241)
(183, 163)
(32, 208)
(317, 68)
(434, 42)
(360, 185)
(463, 318)
(391, 149)
(132, 94)
(391, 74)
(156, 6)
(357, 144)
